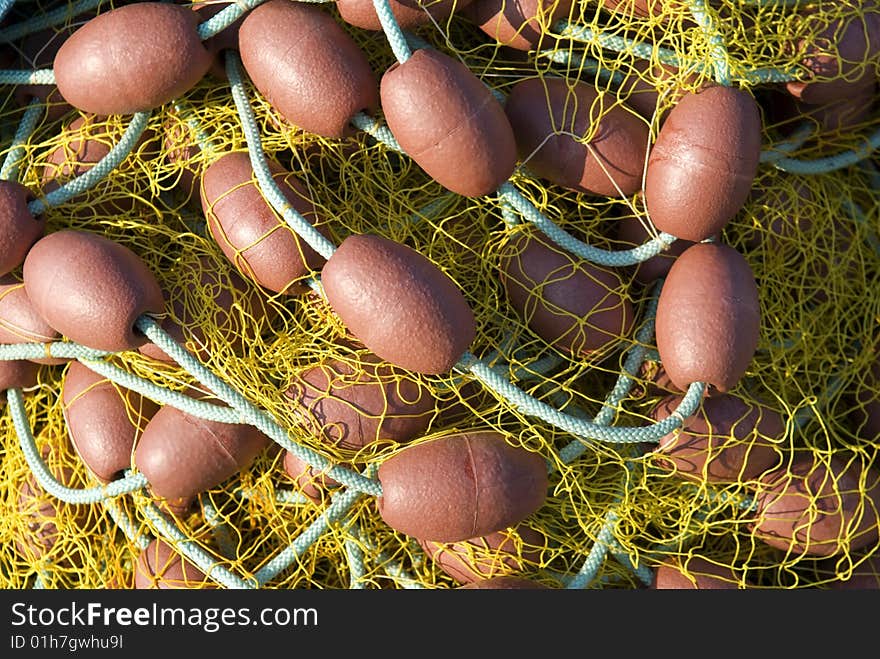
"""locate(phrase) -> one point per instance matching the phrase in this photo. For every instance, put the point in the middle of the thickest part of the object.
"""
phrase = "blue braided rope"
(831, 163)
(101, 169)
(393, 33)
(703, 17)
(376, 129)
(571, 244)
(223, 19)
(12, 163)
(508, 213)
(782, 149)
(19, 77)
(176, 399)
(531, 406)
(355, 556)
(282, 497)
(392, 568)
(599, 550)
(339, 507)
(584, 64)
(5, 6)
(647, 51)
(250, 414)
(50, 19)
(634, 358)
(219, 527)
(194, 552)
(614, 42)
(58, 350)
(44, 477)
(258, 161)
(126, 524)
(642, 571)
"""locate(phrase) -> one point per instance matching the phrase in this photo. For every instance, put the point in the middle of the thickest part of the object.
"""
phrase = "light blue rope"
(599, 550)
(583, 64)
(219, 527)
(531, 406)
(282, 497)
(5, 6)
(830, 163)
(571, 244)
(125, 523)
(355, 557)
(376, 129)
(393, 33)
(176, 399)
(391, 567)
(193, 552)
(634, 358)
(782, 149)
(45, 478)
(339, 507)
(12, 163)
(508, 213)
(58, 350)
(17, 77)
(251, 414)
(258, 161)
(50, 19)
(616, 43)
(223, 19)
(642, 571)
(647, 51)
(203, 140)
(703, 17)
(101, 169)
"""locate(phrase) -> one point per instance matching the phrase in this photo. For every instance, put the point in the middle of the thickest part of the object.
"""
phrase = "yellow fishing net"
(811, 240)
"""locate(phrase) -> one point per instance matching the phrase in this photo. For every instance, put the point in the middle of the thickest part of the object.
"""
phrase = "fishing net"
(614, 511)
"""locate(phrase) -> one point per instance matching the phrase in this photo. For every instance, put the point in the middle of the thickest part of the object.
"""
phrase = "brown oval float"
(449, 123)
(460, 486)
(553, 117)
(816, 508)
(727, 440)
(91, 289)
(182, 455)
(701, 168)
(353, 405)
(398, 304)
(256, 239)
(131, 59)
(103, 420)
(308, 68)
(708, 317)
(571, 303)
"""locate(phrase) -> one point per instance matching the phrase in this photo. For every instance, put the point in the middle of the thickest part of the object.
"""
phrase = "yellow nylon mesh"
(816, 267)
